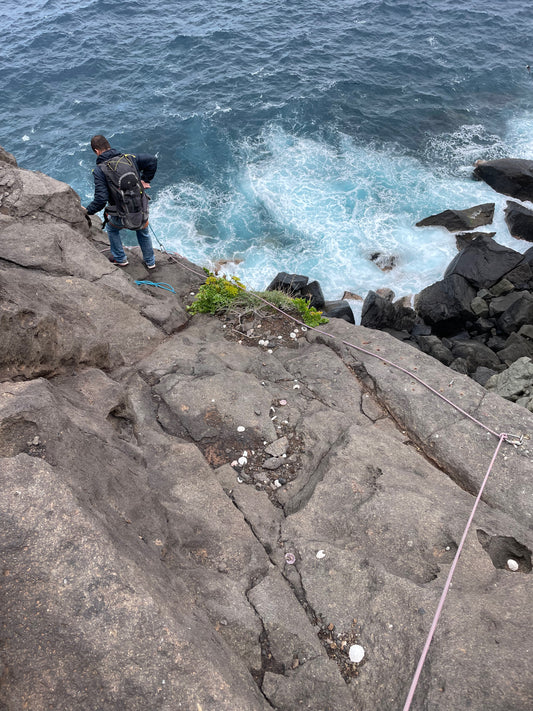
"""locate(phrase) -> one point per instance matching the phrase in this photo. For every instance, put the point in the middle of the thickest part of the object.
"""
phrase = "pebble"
(321, 554)
(356, 653)
(273, 463)
(240, 428)
(512, 565)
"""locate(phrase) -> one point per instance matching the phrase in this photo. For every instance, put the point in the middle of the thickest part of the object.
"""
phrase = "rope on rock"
(512, 439)
(161, 285)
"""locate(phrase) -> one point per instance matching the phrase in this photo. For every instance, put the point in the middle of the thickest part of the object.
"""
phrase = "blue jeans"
(113, 228)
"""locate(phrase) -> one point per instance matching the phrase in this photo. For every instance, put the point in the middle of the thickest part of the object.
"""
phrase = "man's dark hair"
(100, 143)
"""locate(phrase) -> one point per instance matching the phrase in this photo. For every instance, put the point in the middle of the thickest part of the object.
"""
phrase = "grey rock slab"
(389, 523)
(260, 514)
(80, 613)
(290, 634)
(312, 686)
(456, 443)
(218, 405)
(328, 379)
(49, 323)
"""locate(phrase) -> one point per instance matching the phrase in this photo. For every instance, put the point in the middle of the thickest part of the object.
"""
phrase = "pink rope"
(416, 677)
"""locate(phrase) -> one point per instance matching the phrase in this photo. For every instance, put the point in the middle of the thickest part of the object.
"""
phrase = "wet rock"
(463, 239)
(290, 283)
(484, 262)
(519, 220)
(312, 292)
(509, 176)
(456, 220)
(385, 262)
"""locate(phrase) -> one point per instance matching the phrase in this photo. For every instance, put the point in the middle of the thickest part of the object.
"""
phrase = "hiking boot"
(118, 264)
(150, 266)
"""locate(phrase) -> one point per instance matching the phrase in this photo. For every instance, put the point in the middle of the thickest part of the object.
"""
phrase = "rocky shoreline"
(153, 554)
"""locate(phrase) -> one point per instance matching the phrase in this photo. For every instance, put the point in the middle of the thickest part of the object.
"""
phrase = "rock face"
(510, 176)
(141, 569)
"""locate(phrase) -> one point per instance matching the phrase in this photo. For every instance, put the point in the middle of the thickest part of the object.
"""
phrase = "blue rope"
(161, 285)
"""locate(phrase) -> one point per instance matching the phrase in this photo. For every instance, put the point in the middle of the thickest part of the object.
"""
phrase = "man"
(146, 166)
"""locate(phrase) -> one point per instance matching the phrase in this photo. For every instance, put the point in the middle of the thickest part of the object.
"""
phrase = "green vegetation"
(220, 294)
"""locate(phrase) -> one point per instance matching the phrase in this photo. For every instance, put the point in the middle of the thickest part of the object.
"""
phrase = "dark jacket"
(146, 164)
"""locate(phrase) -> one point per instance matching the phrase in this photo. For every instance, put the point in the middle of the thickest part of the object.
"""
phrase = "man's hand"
(145, 185)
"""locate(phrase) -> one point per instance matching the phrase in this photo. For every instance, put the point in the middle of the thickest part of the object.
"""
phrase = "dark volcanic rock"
(339, 309)
(313, 293)
(519, 313)
(290, 283)
(456, 220)
(377, 312)
(510, 176)
(484, 262)
(519, 220)
(446, 304)
(463, 239)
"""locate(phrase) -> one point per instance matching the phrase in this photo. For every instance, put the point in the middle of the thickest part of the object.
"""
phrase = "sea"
(299, 136)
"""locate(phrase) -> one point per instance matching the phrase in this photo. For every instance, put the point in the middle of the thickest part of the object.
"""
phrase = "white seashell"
(356, 653)
(321, 554)
(245, 453)
(269, 350)
(234, 463)
(295, 387)
(242, 461)
(512, 564)
(292, 334)
(240, 428)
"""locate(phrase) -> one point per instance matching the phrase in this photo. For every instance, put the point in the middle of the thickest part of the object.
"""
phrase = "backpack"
(126, 191)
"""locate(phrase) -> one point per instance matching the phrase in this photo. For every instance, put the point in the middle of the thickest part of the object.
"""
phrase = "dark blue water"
(301, 136)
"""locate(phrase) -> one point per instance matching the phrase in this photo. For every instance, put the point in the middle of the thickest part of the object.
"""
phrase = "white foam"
(304, 206)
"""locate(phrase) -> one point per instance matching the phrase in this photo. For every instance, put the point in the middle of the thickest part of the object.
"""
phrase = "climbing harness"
(515, 440)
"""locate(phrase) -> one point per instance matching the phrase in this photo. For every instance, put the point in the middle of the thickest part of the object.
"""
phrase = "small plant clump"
(216, 294)
(219, 294)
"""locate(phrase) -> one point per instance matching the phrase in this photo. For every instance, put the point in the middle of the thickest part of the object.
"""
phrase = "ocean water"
(301, 136)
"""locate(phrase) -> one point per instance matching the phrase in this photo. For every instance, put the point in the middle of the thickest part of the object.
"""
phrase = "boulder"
(509, 176)
(516, 346)
(312, 292)
(475, 355)
(484, 262)
(463, 239)
(290, 283)
(518, 314)
(386, 262)
(515, 382)
(339, 309)
(378, 312)
(446, 304)
(519, 220)
(456, 220)
(435, 348)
